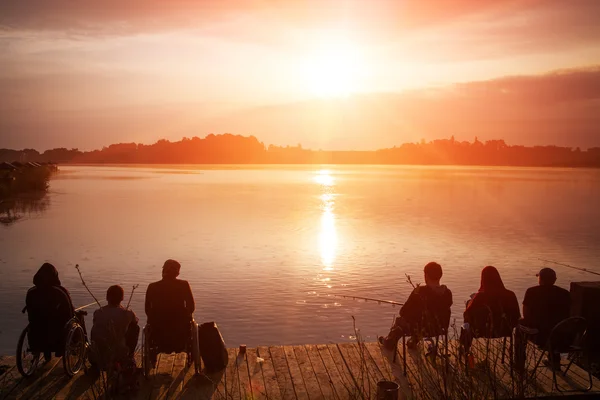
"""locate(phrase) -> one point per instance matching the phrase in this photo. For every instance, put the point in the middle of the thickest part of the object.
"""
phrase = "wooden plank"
(28, 387)
(200, 386)
(11, 377)
(163, 377)
(380, 362)
(351, 384)
(358, 370)
(325, 383)
(282, 372)
(255, 375)
(229, 387)
(296, 375)
(50, 385)
(395, 368)
(342, 382)
(244, 376)
(178, 374)
(421, 379)
(268, 372)
(80, 386)
(309, 377)
(374, 374)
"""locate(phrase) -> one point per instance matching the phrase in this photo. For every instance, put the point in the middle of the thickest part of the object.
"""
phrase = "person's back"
(428, 308)
(492, 298)
(426, 311)
(545, 305)
(169, 306)
(49, 308)
(115, 327)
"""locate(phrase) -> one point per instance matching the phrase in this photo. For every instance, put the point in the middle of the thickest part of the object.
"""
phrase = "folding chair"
(568, 336)
(502, 330)
(431, 332)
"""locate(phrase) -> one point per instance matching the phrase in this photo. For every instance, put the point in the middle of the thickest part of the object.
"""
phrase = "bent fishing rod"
(77, 309)
(394, 303)
(86, 306)
(570, 266)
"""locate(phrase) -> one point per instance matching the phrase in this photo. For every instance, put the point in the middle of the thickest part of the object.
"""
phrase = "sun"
(333, 68)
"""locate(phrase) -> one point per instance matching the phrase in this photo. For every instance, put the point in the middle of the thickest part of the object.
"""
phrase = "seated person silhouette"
(170, 307)
(493, 311)
(49, 308)
(427, 310)
(544, 306)
(115, 332)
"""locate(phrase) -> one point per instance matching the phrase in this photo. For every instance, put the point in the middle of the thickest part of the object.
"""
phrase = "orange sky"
(326, 73)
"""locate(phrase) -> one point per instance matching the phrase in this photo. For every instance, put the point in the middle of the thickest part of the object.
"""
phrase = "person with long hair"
(494, 310)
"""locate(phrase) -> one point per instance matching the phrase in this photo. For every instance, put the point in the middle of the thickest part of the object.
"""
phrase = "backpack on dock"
(212, 347)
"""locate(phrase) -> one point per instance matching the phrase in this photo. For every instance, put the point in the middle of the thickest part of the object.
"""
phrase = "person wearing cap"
(427, 308)
(544, 306)
(170, 307)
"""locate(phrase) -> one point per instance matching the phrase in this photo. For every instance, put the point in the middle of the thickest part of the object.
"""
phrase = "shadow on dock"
(331, 371)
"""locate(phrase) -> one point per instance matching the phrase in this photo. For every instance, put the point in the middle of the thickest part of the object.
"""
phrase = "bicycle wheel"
(27, 361)
(75, 347)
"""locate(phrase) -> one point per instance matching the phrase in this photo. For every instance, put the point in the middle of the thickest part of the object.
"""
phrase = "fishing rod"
(570, 266)
(77, 309)
(86, 306)
(394, 303)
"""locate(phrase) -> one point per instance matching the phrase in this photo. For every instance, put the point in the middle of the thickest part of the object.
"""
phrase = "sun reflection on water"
(324, 178)
(328, 233)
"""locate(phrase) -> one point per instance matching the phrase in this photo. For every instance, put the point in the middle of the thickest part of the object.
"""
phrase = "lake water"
(265, 248)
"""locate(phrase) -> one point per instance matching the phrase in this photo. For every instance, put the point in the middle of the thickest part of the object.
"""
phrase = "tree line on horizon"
(237, 149)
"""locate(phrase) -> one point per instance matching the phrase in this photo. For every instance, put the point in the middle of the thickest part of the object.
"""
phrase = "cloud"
(557, 108)
(557, 87)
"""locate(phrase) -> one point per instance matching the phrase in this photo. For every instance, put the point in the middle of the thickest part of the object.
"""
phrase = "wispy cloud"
(63, 62)
(555, 108)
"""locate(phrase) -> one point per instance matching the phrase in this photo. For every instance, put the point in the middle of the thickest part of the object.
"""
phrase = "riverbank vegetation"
(236, 149)
(17, 178)
(23, 190)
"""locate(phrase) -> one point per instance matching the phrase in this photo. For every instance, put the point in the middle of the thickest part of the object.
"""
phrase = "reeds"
(439, 376)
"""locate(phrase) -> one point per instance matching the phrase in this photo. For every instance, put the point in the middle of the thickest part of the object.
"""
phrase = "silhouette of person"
(427, 309)
(170, 307)
(49, 308)
(493, 311)
(115, 331)
(544, 306)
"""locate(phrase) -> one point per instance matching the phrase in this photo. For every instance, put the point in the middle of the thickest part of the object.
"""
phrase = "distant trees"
(236, 149)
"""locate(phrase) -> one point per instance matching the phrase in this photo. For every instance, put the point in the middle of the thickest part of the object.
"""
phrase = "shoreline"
(320, 165)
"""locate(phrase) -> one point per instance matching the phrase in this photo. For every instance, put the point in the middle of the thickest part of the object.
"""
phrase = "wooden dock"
(331, 371)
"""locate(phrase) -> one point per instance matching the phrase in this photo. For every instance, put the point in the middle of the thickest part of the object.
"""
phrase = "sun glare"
(324, 178)
(334, 67)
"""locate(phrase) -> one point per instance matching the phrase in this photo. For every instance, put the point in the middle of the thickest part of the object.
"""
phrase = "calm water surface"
(266, 248)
